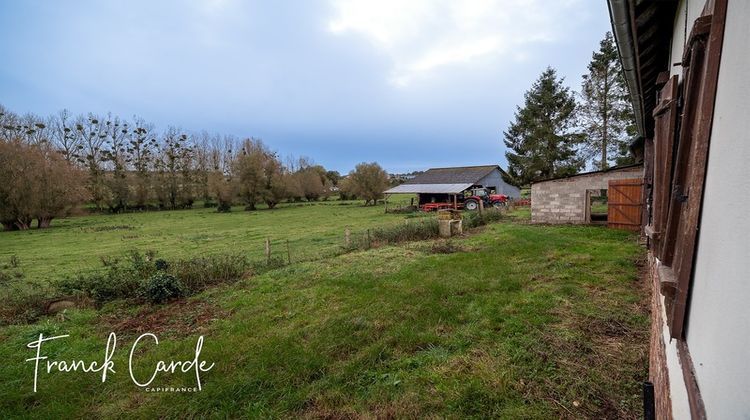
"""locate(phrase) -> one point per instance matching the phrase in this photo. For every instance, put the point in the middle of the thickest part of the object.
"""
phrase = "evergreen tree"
(541, 142)
(604, 111)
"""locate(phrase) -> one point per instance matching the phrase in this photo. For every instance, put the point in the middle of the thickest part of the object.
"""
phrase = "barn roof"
(429, 188)
(457, 175)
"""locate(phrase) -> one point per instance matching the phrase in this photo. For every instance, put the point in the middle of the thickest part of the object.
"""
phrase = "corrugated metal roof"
(428, 189)
(462, 174)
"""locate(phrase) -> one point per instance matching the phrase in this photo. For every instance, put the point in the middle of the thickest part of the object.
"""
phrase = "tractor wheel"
(471, 205)
(498, 204)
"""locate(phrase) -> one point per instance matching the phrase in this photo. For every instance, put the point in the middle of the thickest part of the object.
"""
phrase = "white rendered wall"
(718, 330)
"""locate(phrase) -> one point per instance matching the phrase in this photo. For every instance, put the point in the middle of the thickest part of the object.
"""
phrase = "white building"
(687, 66)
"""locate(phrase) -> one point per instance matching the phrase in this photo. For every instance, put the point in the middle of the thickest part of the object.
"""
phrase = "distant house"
(687, 63)
(441, 184)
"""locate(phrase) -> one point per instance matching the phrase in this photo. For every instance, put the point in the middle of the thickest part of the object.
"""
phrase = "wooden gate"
(625, 206)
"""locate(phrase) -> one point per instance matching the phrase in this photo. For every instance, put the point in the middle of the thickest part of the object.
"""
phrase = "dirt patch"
(173, 319)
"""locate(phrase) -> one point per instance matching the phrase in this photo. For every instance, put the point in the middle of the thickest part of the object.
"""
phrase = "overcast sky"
(410, 84)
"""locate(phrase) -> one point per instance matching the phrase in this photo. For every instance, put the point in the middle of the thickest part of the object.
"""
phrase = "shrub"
(198, 273)
(115, 283)
(409, 231)
(161, 265)
(162, 287)
(476, 219)
(224, 207)
(22, 303)
(118, 280)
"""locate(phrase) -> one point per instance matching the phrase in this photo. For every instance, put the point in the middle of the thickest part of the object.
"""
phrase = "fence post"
(288, 253)
(268, 250)
(369, 242)
(347, 238)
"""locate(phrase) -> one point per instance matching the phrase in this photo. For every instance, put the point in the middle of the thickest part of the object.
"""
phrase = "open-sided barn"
(444, 184)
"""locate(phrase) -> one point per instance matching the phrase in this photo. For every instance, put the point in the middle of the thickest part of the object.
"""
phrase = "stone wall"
(564, 200)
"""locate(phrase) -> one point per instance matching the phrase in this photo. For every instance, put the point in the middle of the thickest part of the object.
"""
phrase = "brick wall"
(564, 200)
(658, 373)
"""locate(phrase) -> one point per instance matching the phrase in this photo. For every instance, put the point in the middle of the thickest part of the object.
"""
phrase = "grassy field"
(512, 321)
(78, 243)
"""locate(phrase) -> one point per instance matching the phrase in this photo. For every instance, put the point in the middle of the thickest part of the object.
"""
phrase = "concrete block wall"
(564, 200)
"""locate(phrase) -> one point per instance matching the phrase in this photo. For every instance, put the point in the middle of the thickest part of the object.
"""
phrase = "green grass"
(78, 243)
(523, 322)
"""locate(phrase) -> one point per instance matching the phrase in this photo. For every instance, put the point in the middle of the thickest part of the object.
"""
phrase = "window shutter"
(700, 75)
(665, 121)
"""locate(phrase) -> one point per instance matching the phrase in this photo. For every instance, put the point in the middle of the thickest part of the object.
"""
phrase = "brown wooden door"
(624, 206)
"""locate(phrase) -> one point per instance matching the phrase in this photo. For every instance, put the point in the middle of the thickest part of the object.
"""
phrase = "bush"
(118, 280)
(161, 265)
(476, 219)
(162, 287)
(22, 303)
(224, 207)
(409, 231)
(198, 273)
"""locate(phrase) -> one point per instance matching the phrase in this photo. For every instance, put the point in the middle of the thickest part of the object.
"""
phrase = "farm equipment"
(477, 195)
(469, 201)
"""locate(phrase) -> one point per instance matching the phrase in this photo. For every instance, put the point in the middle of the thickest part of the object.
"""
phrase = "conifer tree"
(541, 141)
(604, 110)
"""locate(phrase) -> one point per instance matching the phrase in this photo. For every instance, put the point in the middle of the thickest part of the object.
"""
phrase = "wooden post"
(369, 242)
(347, 238)
(412, 201)
(455, 201)
(288, 253)
(481, 206)
(386, 203)
(268, 250)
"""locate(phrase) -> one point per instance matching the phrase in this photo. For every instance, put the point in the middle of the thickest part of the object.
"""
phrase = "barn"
(444, 185)
(585, 197)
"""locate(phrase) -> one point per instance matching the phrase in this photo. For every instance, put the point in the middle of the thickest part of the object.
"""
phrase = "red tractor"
(471, 202)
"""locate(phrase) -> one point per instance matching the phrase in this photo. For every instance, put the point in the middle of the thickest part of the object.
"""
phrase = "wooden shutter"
(700, 74)
(665, 119)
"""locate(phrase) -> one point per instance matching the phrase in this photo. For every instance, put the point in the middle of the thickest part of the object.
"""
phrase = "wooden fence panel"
(624, 207)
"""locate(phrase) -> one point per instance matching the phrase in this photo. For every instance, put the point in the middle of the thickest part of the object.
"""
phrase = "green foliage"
(199, 273)
(541, 142)
(476, 219)
(162, 287)
(605, 112)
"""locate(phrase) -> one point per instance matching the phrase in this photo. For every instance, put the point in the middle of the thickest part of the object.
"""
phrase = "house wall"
(564, 200)
(495, 179)
(718, 331)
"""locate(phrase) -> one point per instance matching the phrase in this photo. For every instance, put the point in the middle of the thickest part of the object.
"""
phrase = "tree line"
(49, 166)
(556, 132)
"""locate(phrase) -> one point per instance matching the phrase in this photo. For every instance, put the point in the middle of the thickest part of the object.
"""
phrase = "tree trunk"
(23, 224)
(8, 225)
(43, 222)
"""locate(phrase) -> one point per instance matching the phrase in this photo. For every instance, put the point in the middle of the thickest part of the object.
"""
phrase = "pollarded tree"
(36, 183)
(115, 155)
(604, 110)
(141, 146)
(249, 169)
(60, 186)
(541, 140)
(368, 181)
